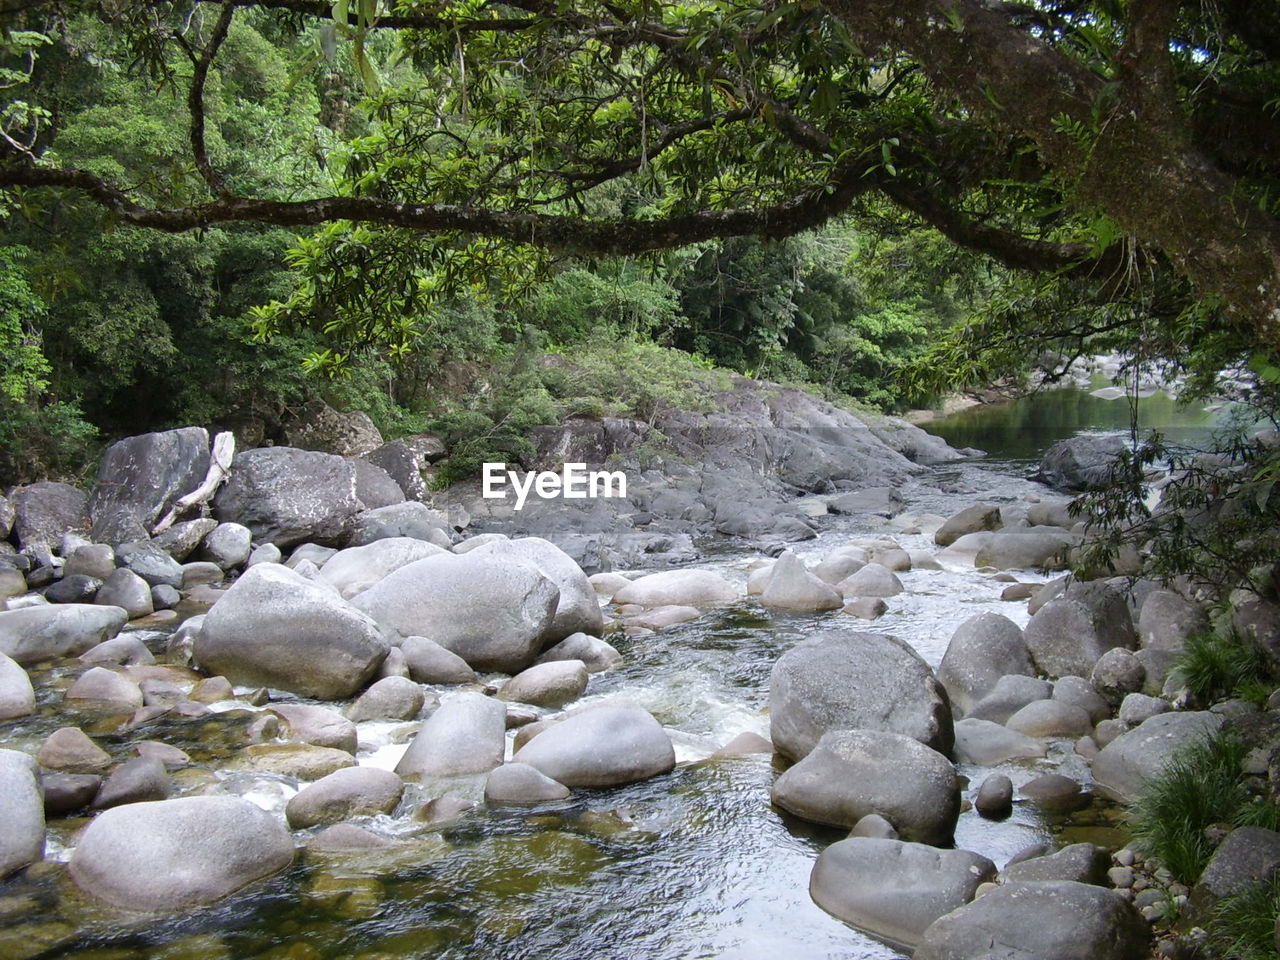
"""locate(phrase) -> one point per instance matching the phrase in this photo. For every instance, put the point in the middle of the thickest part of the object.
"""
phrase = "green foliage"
(1243, 926)
(1200, 787)
(1215, 666)
(38, 431)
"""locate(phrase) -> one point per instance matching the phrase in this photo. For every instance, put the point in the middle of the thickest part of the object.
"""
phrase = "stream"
(692, 864)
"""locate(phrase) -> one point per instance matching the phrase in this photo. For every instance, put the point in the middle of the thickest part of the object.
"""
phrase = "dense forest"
(213, 212)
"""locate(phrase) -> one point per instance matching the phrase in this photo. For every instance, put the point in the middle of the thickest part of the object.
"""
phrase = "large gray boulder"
(44, 632)
(1060, 920)
(895, 890)
(21, 799)
(1068, 635)
(851, 773)
(17, 697)
(319, 426)
(275, 628)
(141, 477)
(983, 649)
(1080, 463)
(601, 746)
(374, 486)
(840, 680)
(151, 563)
(45, 512)
(177, 854)
(467, 734)
(1247, 857)
(1132, 760)
(578, 610)
(491, 611)
(288, 496)
(356, 569)
(403, 460)
(351, 792)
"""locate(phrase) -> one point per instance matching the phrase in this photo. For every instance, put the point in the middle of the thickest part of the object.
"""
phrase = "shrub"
(1216, 666)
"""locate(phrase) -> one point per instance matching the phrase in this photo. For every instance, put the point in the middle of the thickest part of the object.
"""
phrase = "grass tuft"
(1217, 666)
(1243, 927)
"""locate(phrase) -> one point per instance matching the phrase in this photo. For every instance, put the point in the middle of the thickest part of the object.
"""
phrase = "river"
(692, 864)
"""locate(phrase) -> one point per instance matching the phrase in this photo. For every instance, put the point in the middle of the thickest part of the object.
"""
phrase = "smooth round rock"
(595, 654)
(99, 683)
(686, 588)
(135, 781)
(521, 784)
(22, 837)
(982, 650)
(317, 725)
(995, 797)
(601, 746)
(548, 684)
(391, 698)
(351, 792)
(17, 696)
(873, 580)
(988, 744)
(127, 590)
(70, 750)
(467, 734)
(177, 854)
(44, 632)
(428, 662)
(1050, 718)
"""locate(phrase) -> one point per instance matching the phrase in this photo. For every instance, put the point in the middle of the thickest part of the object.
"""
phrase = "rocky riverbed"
(332, 720)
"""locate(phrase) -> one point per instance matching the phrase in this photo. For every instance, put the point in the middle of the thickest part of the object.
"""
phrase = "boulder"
(343, 794)
(317, 725)
(1055, 794)
(596, 655)
(1009, 695)
(274, 628)
(1029, 548)
(1080, 463)
(883, 502)
(895, 890)
(983, 649)
(149, 562)
(1166, 619)
(68, 792)
(6, 518)
(680, 587)
(1051, 513)
(99, 683)
(21, 799)
(855, 680)
(374, 486)
(356, 569)
(519, 784)
(45, 512)
(1051, 719)
(547, 684)
(872, 580)
(875, 826)
(832, 570)
(95, 560)
(866, 608)
(1079, 862)
(1058, 920)
(1246, 857)
(17, 697)
(851, 773)
(391, 698)
(181, 539)
(73, 589)
(319, 426)
(12, 583)
(994, 800)
(601, 746)
(177, 854)
(228, 545)
(578, 610)
(403, 461)
(38, 633)
(202, 572)
(1130, 761)
(300, 761)
(1138, 707)
(1082, 693)
(70, 750)
(974, 519)
(288, 496)
(127, 590)
(412, 519)
(792, 587)
(491, 611)
(428, 662)
(988, 744)
(140, 478)
(1118, 672)
(134, 781)
(1068, 635)
(467, 734)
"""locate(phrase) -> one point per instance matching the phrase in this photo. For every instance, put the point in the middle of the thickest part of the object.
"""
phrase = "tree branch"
(195, 99)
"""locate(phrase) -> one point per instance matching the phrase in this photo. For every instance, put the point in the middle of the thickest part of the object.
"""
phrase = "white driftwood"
(224, 451)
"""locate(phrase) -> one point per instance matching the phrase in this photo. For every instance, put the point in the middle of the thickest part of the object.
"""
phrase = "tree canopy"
(1129, 148)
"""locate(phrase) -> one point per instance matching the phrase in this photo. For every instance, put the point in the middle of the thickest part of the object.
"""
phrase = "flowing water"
(692, 864)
